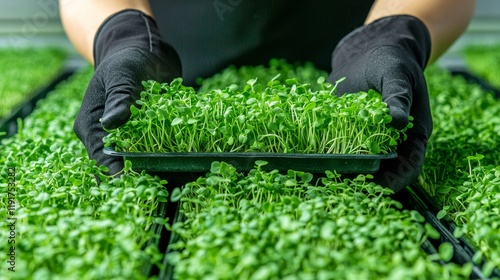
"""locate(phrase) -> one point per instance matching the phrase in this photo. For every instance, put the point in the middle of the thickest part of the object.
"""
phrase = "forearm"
(445, 19)
(81, 19)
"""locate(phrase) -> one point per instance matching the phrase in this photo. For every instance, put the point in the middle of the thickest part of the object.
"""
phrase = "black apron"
(210, 35)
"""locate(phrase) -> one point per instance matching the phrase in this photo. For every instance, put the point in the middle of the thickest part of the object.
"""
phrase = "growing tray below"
(464, 251)
(168, 269)
(473, 79)
(8, 124)
(201, 162)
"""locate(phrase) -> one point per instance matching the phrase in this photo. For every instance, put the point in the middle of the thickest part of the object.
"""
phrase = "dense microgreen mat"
(462, 167)
(267, 225)
(68, 226)
(484, 61)
(305, 73)
(262, 224)
(273, 115)
(22, 71)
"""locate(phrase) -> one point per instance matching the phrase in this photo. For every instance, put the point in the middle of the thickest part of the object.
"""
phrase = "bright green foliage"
(484, 61)
(22, 71)
(267, 225)
(461, 169)
(305, 73)
(263, 225)
(478, 210)
(466, 122)
(287, 117)
(69, 226)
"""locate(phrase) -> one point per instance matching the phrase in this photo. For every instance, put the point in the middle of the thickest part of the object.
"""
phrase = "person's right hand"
(127, 50)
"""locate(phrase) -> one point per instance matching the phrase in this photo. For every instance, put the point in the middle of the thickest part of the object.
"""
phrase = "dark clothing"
(210, 35)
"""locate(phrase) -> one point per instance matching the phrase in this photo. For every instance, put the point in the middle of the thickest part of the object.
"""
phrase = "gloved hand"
(389, 55)
(127, 50)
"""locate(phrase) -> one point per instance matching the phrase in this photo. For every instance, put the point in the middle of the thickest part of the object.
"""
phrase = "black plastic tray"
(9, 123)
(163, 236)
(201, 162)
(159, 230)
(463, 250)
(168, 270)
(473, 79)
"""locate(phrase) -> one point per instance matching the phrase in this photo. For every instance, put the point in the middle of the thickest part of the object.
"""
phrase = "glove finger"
(393, 76)
(117, 108)
(420, 109)
(397, 93)
(122, 75)
(123, 87)
(89, 129)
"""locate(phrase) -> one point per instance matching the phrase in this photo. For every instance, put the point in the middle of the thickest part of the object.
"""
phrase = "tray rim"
(110, 151)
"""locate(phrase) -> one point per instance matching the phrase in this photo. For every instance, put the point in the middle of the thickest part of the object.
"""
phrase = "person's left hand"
(389, 56)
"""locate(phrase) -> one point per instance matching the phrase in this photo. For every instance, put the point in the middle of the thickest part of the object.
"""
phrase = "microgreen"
(461, 171)
(68, 226)
(277, 71)
(484, 61)
(288, 117)
(22, 71)
(267, 225)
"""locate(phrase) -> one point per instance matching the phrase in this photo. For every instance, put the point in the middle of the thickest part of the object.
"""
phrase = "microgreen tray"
(163, 236)
(201, 162)
(160, 231)
(9, 123)
(168, 270)
(473, 79)
(463, 249)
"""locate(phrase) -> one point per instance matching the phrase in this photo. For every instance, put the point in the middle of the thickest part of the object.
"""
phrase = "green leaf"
(445, 251)
(242, 138)
(291, 183)
(292, 81)
(260, 163)
(251, 82)
(374, 147)
(151, 114)
(441, 214)
(175, 195)
(478, 257)
(251, 101)
(307, 177)
(393, 142)
(458, 232)
(431, 231)
(161, 221)
(310, 106)
(215, 167)
(417, 217)
(176, 121)
(488, 268)
(128, 165)
(443, 189)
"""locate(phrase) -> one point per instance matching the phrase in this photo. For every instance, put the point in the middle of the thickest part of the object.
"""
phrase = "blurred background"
(31, 23)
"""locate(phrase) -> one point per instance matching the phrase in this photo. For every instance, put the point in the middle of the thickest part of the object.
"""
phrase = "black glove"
(127, 50)
(389, 55)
